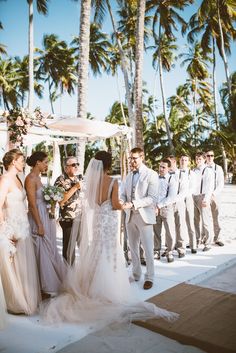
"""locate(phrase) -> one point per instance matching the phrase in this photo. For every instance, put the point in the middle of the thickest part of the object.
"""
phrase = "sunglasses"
(210, 155)
(134, 158)
(73, 165)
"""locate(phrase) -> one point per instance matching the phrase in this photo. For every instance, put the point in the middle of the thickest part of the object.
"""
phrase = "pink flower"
(19, 121)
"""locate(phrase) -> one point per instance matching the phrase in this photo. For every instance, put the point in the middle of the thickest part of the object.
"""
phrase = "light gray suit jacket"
(145, 194)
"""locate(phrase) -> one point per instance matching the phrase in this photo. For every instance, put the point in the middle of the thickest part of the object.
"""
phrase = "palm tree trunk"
(50, 96)
(217, 123)
(138, 91)
(169, 135)
(195, 112)
(31, 57)
(83, 69)
(223, 51)
(125, 72)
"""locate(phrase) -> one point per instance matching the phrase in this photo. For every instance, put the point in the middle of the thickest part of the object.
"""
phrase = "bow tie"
(171, 173)
(183, 171)
(161, 177)
(135, 171)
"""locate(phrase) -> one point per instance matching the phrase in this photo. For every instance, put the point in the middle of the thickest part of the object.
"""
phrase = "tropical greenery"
(185, 122)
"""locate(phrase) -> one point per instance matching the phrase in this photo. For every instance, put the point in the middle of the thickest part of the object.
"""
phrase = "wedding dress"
(2, 307)
(18, 267)
(97, 290)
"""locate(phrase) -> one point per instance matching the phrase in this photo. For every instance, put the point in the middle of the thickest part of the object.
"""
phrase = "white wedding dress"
(97, 290)
(18, 268)
(2, 307)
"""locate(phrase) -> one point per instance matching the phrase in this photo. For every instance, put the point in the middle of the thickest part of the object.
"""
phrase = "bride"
(97, 288)
(18, 268)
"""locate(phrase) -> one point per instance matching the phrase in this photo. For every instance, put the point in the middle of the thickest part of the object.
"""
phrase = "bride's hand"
(13, 241)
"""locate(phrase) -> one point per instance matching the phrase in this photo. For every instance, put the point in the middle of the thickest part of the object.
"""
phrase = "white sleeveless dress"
(2, 307)
(97, 290)
(18, 267)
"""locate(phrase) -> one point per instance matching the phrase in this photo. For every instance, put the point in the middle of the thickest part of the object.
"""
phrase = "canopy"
(91, 129)
(69, 127)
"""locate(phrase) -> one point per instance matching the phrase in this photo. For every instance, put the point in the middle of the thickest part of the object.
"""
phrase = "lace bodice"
(16, 215)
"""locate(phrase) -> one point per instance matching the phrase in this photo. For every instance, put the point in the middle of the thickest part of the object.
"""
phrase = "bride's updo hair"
(11, 156)
(35, 157)
(106, 159)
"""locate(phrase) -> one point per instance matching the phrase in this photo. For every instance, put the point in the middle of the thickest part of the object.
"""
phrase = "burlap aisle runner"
(207, 317)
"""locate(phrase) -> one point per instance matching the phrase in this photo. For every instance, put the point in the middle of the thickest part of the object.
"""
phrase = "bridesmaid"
(2, 307)
(18, 267)
(50, 264)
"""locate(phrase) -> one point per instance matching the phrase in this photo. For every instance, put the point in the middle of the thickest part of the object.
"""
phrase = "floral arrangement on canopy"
(19, 120)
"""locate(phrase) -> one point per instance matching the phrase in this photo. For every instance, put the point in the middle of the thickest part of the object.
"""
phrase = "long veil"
(76, 303)
(82, 228)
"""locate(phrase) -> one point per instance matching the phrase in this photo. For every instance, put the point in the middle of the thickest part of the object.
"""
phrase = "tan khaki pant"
(165, 217)
(202, 215)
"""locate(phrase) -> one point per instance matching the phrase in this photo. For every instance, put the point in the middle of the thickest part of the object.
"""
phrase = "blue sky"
(63, 20)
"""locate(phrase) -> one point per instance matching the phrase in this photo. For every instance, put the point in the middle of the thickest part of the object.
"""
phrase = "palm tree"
(197, 70)
(9, 79)
(56, 65)
(2, 46)
(163, 58)
(167, 17)
(215, 20)
(138, 137)
(99, 51)
(42, 8)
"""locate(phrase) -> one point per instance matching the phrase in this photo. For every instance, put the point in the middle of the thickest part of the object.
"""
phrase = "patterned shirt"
(72, 207)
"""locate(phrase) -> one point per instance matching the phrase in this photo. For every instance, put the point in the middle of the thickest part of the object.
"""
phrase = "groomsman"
(179, 210)
(165, 210)
(202, 198)
(189, 204)
(139, 193)
(215, 203)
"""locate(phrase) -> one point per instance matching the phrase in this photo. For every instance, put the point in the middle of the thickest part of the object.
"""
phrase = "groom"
(139, 195)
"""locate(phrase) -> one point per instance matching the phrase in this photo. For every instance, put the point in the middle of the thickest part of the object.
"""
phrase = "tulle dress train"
(97, 290)
(51, 266)
(18, 264)
(2, 307)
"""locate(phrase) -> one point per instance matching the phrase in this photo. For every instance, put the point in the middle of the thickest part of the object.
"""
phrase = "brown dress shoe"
(147, 285)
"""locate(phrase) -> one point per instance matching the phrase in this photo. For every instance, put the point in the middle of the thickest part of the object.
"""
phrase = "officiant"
(70, 206)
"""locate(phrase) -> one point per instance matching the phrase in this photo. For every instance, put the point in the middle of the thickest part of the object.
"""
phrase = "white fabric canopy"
(70, 127)
(89, 128)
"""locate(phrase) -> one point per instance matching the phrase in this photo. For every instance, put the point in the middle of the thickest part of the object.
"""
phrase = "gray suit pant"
(138, 230)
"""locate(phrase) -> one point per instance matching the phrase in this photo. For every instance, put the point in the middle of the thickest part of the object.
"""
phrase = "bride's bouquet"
(52, 194)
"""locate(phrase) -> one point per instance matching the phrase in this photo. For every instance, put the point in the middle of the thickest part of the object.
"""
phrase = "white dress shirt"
(204, 182)
(218, 178)
(167, 190)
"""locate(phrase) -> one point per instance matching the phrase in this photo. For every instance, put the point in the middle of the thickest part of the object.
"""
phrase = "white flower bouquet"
(52, 194)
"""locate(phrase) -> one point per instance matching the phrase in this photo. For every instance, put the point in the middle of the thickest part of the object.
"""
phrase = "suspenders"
(202, 180)
(215, 177)
(179, 182)
(167, 191)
